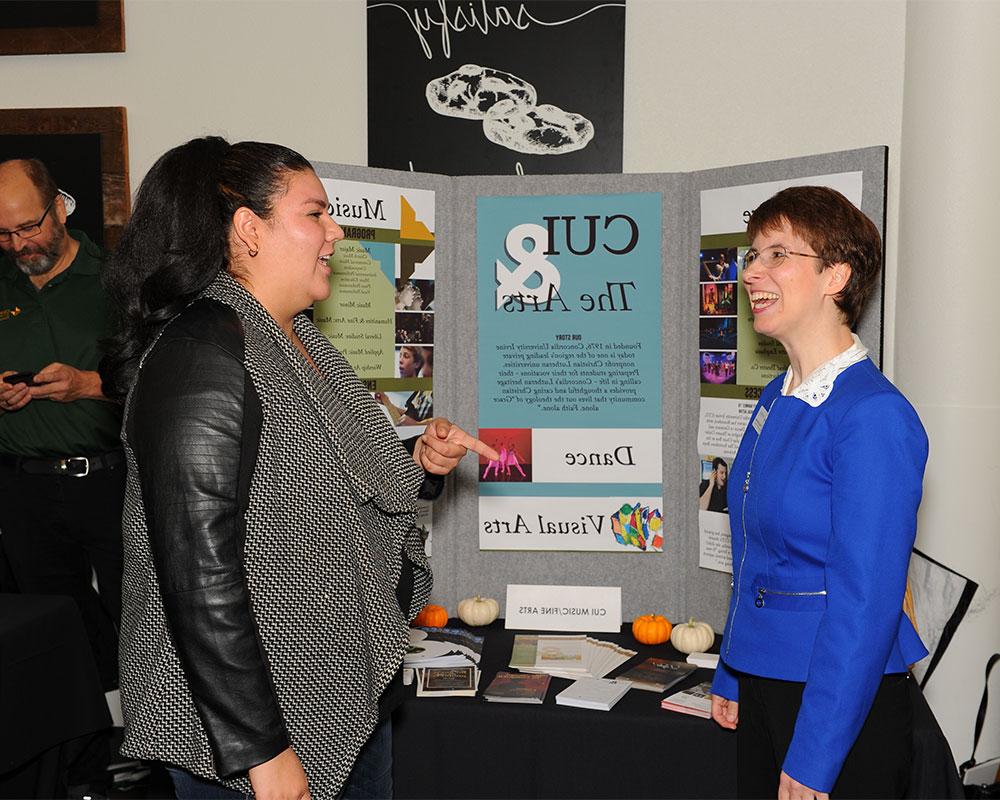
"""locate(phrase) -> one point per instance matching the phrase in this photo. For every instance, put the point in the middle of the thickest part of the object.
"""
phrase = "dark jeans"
(56, 529)
(189, 787)
(370, 778)
(878, 765)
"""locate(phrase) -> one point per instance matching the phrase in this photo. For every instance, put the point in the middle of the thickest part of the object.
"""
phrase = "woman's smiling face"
(301, 232)
(787, 298)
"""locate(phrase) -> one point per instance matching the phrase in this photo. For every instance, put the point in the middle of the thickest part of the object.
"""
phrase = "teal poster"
(570, 374)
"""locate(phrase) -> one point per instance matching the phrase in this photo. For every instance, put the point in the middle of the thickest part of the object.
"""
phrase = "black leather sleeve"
(433, 485)
(191, 405)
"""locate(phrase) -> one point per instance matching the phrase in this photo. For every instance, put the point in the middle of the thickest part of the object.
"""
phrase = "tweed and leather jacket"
(269, 514)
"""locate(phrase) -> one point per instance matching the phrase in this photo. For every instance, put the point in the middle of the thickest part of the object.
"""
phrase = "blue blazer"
(823, 512)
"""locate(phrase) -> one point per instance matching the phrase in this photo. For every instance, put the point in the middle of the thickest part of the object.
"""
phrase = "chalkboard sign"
(491, 87)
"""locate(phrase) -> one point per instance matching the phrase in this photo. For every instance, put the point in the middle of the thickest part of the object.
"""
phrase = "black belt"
(72, 466)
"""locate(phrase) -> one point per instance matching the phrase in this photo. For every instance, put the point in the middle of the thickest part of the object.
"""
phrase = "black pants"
(878, 765)
(55, 530)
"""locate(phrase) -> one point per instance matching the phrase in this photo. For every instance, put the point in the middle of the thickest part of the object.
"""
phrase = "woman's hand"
(443, 444)
(281, 778)
(791, 789)
(725, 712)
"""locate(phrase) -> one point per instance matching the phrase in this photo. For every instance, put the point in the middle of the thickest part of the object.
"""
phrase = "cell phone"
(21, 377)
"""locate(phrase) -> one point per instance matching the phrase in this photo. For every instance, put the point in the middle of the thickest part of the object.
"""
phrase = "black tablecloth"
(460, 747)
(466, 747)
(50, 692)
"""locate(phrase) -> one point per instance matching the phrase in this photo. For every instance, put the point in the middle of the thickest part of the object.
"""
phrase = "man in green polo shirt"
(61, 467)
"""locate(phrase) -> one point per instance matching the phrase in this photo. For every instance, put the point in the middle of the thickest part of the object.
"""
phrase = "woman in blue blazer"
(823, 499)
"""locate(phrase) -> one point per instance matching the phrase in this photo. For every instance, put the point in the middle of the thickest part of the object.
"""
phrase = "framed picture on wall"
(37, 27)
(86, 150)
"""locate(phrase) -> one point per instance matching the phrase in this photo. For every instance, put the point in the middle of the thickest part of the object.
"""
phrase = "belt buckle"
(65, 464)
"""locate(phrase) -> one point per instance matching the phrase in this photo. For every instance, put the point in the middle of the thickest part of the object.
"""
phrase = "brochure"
(657, 674)
(599, 694)
(447, 682)
(516, 687)
(696, 701)
(443, 647)
(573, 656)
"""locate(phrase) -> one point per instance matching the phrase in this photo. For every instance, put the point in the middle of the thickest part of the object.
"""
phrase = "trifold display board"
(646, 266)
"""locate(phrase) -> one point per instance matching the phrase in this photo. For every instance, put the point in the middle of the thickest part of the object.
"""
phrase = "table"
(467, 748)
(50, 692)
(460, 747)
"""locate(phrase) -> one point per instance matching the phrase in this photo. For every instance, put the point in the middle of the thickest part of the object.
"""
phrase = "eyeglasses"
(772, 257)
(27, 231)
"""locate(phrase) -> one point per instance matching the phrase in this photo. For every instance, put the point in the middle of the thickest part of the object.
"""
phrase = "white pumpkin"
(692, 636)
(478, 610)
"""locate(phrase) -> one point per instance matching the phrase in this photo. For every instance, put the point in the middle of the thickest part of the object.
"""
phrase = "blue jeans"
(191, 787)
(369, 779)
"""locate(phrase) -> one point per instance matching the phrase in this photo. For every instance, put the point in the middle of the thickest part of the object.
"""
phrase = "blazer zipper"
(762, 590)
(743, 523)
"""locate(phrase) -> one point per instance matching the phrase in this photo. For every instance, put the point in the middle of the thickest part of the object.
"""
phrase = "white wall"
(946, 357)
(290, 71)
(728, 82)
(708, 83)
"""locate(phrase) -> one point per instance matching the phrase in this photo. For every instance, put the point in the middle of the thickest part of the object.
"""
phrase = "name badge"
(564, 608)
(760, 419)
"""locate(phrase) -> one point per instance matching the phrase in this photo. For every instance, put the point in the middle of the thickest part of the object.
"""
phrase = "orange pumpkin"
(435, 617)
(651, 629)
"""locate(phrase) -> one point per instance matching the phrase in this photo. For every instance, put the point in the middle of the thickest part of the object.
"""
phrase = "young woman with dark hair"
(271, 560)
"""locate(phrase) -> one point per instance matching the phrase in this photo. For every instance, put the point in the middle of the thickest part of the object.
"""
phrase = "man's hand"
(442, 445)
(281, 778)
(13, 397)
(725, 712)
(64, 384)
(791, 789)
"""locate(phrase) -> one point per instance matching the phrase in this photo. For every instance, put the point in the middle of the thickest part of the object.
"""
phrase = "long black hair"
(177, 239)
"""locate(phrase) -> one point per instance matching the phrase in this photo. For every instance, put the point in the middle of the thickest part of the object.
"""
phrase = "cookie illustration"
(469, 92)
(539, 130)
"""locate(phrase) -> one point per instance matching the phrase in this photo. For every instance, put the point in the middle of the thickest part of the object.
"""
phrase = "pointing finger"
(459, 436)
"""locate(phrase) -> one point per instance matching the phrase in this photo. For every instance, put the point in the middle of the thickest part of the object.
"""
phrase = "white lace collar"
(819, 383)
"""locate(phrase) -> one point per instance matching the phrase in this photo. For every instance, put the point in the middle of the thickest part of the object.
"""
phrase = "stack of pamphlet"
(515, 687)
(696, 701)
(446, 661)
(657, 674)
(568, 656)
(443, 647)
(704, 660)
(599, 694)
(447, 681)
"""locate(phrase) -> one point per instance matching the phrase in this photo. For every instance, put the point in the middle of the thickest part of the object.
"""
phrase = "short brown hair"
(836, 229)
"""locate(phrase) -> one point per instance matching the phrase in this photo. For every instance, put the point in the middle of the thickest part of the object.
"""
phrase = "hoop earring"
(252, 253)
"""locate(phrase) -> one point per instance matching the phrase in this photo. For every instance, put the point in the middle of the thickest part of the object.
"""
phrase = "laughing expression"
(788, 298)
(306, 235)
